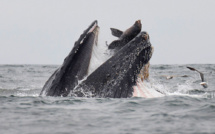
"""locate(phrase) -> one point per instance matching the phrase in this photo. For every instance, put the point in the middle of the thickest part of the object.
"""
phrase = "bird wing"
(201, 74)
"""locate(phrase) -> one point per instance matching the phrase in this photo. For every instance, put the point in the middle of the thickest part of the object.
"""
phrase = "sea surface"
(187, 107)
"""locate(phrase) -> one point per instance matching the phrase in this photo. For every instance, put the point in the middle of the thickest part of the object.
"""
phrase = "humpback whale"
(115, 78)
(75, 65)
(126, 36)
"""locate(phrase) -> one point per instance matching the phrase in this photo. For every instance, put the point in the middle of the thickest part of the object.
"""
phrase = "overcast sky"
(44, 31)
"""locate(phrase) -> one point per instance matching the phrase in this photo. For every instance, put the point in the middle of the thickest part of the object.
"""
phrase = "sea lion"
(126, 36)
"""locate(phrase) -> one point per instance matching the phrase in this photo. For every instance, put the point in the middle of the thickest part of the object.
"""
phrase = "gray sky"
(44, 31)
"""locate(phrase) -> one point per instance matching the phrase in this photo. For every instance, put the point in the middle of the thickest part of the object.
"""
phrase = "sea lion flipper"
(116, 32)
(115, 44)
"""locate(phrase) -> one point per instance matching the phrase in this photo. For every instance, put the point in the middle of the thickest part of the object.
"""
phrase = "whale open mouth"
(93, 64)
(93, 50)
(115, 78)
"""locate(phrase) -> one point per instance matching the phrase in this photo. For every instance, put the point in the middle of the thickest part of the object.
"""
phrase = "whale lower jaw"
(75, 65)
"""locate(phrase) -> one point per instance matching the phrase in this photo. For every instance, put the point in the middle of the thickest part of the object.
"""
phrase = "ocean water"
(186, 108)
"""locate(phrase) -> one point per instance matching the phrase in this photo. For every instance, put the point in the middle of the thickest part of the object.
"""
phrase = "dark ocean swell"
(187, 107)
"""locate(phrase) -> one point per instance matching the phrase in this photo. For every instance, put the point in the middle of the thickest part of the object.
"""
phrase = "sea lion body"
(126, 36)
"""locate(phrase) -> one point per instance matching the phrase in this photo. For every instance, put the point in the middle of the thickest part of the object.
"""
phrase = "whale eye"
(145, 36)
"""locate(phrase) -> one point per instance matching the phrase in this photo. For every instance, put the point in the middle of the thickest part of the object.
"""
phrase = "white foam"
(184, 94)
(98, 56)
(181, 89)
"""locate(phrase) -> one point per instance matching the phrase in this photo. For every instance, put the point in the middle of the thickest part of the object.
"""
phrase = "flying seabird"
(203, 83)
